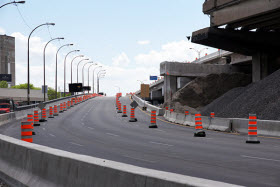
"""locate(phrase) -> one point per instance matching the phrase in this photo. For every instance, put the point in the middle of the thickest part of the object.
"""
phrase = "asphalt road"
(94, 128)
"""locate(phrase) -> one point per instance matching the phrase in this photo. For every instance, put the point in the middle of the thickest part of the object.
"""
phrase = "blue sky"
(118, 34)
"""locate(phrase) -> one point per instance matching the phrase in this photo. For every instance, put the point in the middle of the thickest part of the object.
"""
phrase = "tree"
(24, 86)
(51, 93)
(3, 84)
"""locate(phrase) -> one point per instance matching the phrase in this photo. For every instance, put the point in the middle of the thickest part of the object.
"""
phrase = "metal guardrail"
(47, 102)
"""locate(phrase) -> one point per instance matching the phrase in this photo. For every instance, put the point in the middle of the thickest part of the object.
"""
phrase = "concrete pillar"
(259, 66)
(170, 87)
(182, 81)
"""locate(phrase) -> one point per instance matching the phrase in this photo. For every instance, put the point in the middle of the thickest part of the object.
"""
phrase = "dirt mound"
(203, 90)
(261, 98)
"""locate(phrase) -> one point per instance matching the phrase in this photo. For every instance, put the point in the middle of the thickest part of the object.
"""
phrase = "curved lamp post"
(72, 63)
(14, 2)
(56, 67)
(28, 68)
(45, 63)
(65, 68)
(199, 51)
(89, 69)
(98, 74)
(93, 77)
(78, 68)
(84, 68)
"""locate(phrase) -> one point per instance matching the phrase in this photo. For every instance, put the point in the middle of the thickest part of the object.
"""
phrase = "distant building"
(7, 58)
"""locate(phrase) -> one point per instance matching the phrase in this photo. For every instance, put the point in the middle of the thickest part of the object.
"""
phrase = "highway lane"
(94, 128)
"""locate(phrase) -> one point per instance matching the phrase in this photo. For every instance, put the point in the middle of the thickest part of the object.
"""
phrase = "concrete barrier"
(160, 111)
(265, 127)
(6, 118)
(26, 164)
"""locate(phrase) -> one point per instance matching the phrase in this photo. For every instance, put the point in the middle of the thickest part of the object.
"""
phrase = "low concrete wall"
(26, 164)
(160, 111)
(5, 118)
(265, 127)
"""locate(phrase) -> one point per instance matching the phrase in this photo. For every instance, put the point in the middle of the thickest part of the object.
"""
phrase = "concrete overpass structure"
(248, 27)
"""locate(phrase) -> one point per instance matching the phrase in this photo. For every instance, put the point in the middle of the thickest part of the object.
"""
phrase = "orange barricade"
(199, 132)
(132, 115)
(55, 112)
(252, 129)
(186, 113)
(212, 115)
(61, 108)
(36, 118)
(26, 131)
(124, 111)
(51, 112)
(153, 119)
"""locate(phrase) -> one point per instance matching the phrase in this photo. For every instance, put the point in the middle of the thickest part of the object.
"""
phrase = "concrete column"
(259, 66)
(170, 87)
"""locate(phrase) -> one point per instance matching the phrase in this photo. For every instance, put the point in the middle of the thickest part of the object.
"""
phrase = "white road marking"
(76, 144)
(52, 135)
(139, 159)
(162, 144)
(160, 130)
(90, 128)
(112, 134)
(260, 158)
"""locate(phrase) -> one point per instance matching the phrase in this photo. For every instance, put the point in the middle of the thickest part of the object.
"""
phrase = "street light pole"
(83, 70)
(56, 67)
(101, 71)
(78, 68)
(89, 69)
(45, 63)
(28, 68)
(93, 77)
(199, 51)
(72, 63)
(14, 2)
(98, 81)
(65, 68)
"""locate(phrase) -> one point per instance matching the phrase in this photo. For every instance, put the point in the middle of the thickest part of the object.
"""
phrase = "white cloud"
(2, 31)
(121, 60)
(173, 51)
(144, 42)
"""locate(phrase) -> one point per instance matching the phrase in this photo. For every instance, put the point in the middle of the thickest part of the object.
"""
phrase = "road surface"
(94, 128)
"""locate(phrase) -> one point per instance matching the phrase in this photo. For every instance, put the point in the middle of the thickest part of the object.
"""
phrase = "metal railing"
(25, 107)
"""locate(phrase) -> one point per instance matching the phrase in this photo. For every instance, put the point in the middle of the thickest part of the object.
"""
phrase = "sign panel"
(76, 87)
(153, 78)
(134, 104)
(6, 77)
(45, 90)
(86, 88)
(41, 105)
(145, 90)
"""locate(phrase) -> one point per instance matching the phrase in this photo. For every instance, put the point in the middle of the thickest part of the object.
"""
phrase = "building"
(7, 59)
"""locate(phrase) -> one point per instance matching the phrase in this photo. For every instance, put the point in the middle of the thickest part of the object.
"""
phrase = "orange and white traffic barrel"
(64, 106)
(153, 119)
(132, 115)
(252, 129)
(72, 103)
(124, 111)
(61, 108)
(187, 113)
(36, 118)
(43, 115)
(212, 115)
(26, 131)
(119, 107)
(31, 121)
(171, 110)
(199, 132)
(68, 104)
(166, 108)
(51, 112)
(55, 112)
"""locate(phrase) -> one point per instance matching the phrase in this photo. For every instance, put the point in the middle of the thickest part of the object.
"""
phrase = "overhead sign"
(41, 105)
(134, 104)
(6, 77)
(76, 87)
(145, 90)
(45, 90)
(153, 78)
(86, 88)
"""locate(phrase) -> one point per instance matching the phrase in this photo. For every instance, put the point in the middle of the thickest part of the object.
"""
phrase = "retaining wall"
(27, 164)
(265, 127)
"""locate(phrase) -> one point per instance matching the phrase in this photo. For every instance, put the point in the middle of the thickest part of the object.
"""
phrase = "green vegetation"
(24, 86)
(3, 84)
(51, 93)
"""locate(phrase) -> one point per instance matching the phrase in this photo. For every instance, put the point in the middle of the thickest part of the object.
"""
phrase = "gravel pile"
(2, 184)
(261, 98)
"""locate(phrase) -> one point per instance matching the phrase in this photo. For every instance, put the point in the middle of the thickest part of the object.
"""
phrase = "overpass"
(248, 27)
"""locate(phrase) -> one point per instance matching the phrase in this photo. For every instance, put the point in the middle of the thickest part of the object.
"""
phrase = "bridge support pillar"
(170, 86)
(259, 66)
